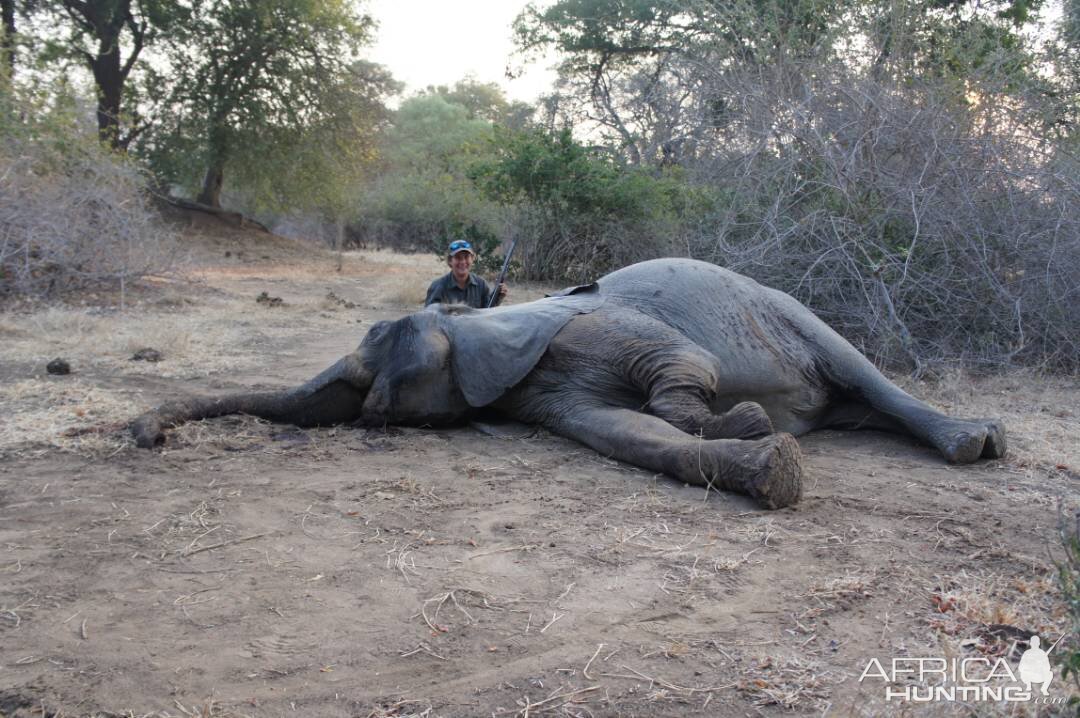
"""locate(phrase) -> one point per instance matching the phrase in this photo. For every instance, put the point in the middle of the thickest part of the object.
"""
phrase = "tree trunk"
(110, 82)
(218, 150)
(210, 195)
(105, 21)
(7, 42)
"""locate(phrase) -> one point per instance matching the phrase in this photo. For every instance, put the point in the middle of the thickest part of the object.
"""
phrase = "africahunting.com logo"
(925, 680)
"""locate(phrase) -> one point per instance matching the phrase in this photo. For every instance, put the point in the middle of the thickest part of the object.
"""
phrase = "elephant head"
(432, 367)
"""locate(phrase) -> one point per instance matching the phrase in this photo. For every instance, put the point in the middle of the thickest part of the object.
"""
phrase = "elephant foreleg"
(768, 469)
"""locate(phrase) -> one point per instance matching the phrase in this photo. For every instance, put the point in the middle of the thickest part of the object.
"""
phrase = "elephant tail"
(333, 397)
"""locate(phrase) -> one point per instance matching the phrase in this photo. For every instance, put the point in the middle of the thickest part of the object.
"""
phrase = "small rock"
(385, 495)
(58, 367)
(335, 299)
(269, 301)
(147, 354)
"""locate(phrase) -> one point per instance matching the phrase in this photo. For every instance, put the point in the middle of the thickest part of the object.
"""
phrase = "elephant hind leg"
(960, 441)
(963, 441)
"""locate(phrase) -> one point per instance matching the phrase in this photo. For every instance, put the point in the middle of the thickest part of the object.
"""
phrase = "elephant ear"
(493, 349)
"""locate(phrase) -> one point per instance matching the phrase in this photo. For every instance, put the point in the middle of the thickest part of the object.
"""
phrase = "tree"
(584, 211)
(634, 70)
(99, 34)
(7, 39)
(248, 70)
(484, 101)
(323, 168)
(422, 193)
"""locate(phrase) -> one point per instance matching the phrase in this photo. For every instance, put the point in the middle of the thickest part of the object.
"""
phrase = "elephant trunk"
(333, 397)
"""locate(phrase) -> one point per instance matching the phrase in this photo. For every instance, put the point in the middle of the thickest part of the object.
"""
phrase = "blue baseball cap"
(460, 245)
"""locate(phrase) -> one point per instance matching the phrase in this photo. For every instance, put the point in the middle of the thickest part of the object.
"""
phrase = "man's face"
(460, 264)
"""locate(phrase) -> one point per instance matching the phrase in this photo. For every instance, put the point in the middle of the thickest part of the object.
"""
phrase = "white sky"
(438, 42)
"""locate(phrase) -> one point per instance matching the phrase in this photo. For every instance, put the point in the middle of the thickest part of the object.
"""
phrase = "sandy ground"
(248, 569)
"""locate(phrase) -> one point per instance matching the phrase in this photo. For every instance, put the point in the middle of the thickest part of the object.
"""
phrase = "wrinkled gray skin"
(673, 365)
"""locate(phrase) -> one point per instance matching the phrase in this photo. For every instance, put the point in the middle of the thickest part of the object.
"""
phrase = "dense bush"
(579, 211)
(905, 167)
(72, 213)
(923, 229)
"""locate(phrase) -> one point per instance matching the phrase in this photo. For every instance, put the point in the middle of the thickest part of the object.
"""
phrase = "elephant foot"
(974, 440)
(768, 470)
(147, 431)
(777, 480)
(995, 445)
(743, 421)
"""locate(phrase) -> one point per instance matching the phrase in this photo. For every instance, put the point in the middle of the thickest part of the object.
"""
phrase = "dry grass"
(411, 292)
(194, 344)
(966, 605)
(51, 413)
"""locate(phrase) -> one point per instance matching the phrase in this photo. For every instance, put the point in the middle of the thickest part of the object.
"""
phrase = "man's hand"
(503, 291)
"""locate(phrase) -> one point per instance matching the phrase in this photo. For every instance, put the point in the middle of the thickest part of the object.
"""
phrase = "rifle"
(502, 274)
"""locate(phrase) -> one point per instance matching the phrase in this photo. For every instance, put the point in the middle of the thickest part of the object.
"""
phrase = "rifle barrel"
(502, 274)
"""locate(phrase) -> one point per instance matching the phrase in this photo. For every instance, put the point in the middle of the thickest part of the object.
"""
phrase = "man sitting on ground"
(459, 285)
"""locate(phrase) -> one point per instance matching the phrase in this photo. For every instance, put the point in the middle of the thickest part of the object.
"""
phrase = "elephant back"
(727, 314)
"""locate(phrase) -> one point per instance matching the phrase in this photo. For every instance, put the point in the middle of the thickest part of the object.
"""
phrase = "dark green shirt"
(445, 290)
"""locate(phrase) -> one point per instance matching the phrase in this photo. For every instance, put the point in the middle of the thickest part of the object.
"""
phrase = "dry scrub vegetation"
(74, 217)
(925, 230)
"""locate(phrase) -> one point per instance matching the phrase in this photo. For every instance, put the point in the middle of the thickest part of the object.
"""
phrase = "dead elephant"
(673, 365)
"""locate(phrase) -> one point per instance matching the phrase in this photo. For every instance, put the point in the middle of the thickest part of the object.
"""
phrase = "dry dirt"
(248, 569)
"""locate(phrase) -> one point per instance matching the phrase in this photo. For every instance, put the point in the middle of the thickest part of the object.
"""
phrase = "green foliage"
(483, 101)
(593, 33)
(429, 132)
(322, 165)
(250, 80)
(587, 212)
(422, 195)
(959, 41)
(107, 37)
(557, 172)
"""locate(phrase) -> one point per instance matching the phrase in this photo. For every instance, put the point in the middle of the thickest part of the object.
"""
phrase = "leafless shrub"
(579, 249)
(922, 228)
(73, 216)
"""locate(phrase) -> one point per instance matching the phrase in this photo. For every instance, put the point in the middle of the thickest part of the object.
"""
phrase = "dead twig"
(223, 544)
(543, 705)
(524, 547)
